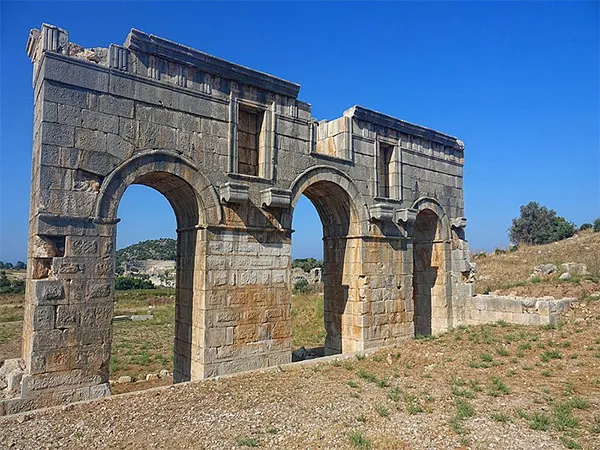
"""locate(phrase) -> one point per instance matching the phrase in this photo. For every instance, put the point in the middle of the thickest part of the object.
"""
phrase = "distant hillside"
(511, 272)
(161, 249)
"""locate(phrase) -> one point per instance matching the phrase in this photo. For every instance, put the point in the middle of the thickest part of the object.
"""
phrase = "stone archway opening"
(338, 219)
(143, 335)
(308, 326)
(184, 203)
(428, 279)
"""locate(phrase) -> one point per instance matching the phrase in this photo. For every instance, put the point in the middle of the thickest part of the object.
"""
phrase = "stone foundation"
(482, 309)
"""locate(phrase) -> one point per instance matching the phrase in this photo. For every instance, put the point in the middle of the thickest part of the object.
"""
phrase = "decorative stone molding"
(458, 222)
(140, 42)
(382, 212)
(405, 218)
(234, 193)
(276, 198)
(119, 57)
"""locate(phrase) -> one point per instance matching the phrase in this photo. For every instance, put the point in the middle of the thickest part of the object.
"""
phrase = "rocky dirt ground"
(495, 386)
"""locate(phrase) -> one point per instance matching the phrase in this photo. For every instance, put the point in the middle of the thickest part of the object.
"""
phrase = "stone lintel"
(138, 41)
(377, 118)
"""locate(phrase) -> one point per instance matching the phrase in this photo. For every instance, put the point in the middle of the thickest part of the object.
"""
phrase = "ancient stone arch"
(232, 149)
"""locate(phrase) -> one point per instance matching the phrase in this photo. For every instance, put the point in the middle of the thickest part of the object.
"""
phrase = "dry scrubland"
(510, 272)
(493, 386)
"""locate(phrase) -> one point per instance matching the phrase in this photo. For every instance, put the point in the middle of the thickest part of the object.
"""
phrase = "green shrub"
(128, 283)
(11, 286)
(540, 225)
(597, 224)
(301, 286)
(585, 226)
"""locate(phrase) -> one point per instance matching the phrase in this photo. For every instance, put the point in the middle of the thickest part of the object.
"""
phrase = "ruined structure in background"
(232, 149)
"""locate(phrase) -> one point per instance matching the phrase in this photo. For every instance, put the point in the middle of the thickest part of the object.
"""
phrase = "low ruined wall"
(482, 309)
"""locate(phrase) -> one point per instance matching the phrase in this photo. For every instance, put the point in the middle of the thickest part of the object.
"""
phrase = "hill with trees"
(161, 249)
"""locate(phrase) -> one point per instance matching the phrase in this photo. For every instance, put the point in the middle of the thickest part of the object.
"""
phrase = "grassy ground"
(11, 325)
(492, 386)
(142, 347)
(307, 320)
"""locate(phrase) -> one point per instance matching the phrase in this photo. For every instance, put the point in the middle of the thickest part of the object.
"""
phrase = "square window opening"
(250, 140)
(385, 169)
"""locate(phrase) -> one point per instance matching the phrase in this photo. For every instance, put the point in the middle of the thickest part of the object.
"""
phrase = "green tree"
(128, 283)
(20, 265)
(4, 281)
(597, 224)
(539, 225)
(307, 264)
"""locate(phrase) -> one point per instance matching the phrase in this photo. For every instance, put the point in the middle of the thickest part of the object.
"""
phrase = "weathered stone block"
(58, 134)
(67, 316)
(43, 318)
(75, 73)
(93, 120)
(48, 292)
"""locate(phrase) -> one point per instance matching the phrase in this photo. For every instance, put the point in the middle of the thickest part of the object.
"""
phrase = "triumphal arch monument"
(232, 149)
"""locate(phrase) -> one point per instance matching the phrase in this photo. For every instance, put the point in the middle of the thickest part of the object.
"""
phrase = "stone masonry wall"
(482, 309)
(160, 114)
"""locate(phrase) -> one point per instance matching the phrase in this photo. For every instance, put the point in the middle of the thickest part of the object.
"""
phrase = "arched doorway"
(181, 196)
(428, 271)
(145, 276)
(340, 221)
(179, 182)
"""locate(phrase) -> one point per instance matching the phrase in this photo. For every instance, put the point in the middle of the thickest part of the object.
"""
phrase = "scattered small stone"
(545, 269)
(23, 418)
(141, 317)
(124, 379)
(152, 377)
(164, 373)
(302, 353)
(565, 276)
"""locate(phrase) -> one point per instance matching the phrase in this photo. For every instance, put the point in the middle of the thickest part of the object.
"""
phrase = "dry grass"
(139, 348)
(143, 347)
(509, 272)
(308, 329)
(11, 325)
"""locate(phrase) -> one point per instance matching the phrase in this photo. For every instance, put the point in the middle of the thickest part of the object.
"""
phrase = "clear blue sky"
(518, 82)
